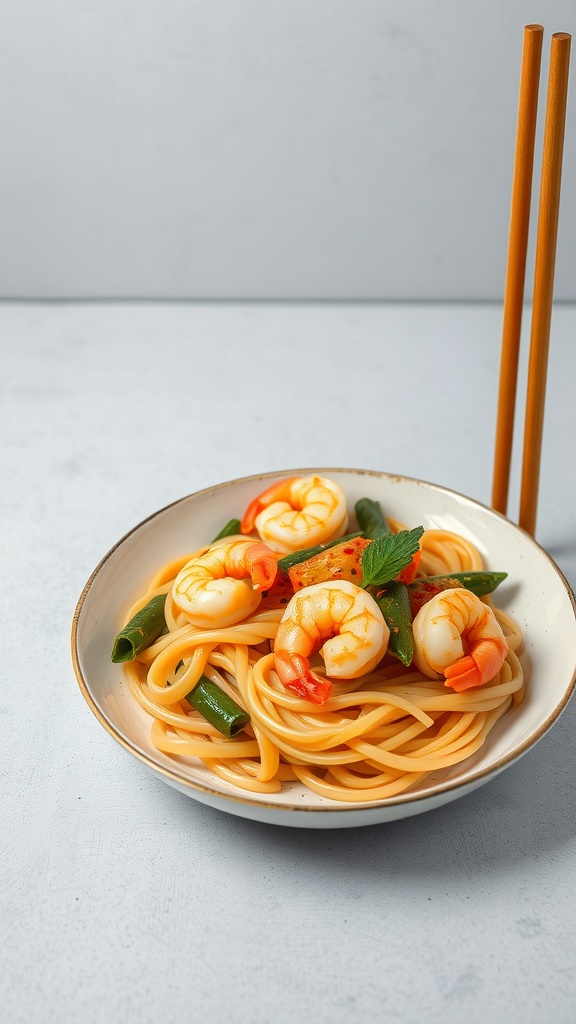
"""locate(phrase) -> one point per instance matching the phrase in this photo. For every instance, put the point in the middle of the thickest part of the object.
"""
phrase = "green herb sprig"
(388, 555)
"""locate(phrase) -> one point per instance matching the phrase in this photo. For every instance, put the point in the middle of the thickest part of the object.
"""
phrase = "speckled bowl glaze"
(535, 594)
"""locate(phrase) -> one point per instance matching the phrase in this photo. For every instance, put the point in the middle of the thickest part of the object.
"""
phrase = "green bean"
(370, 518)
(217, 707)
(141, 631)
(231, 528)
(295, 557)
(423, 589)
(394, 604)
(480, 583)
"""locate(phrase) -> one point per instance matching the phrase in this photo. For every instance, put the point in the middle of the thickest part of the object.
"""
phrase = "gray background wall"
(352, 149)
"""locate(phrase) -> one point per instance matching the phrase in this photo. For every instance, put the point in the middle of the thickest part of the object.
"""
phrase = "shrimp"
(298, 513)
(340, 620)
(458, 636)
(225, 584)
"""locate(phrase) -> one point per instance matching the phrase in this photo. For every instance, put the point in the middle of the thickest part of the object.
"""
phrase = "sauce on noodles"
(374, 738)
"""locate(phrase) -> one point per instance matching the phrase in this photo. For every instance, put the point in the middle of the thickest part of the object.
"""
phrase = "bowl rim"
(336, 807)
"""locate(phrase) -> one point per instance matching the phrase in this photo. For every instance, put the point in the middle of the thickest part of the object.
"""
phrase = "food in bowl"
(324, 642)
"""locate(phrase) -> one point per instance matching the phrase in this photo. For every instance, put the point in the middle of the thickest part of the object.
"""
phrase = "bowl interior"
(535, 594)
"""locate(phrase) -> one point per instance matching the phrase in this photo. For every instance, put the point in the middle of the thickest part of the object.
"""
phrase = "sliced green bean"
(394, 604)
(141, 631)
(217, 707)
(423, 589)
(370, 518)
(232, 527)
(480, 583)
(295, 557)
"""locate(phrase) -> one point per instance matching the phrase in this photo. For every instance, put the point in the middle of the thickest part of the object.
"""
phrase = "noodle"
(374, 738)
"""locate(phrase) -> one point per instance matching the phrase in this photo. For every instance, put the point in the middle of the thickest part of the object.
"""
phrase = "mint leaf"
(386, 556)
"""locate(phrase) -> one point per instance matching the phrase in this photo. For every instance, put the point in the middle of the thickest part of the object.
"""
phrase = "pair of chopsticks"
(545, 261)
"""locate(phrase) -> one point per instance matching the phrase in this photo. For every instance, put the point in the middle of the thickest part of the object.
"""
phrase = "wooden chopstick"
(547, 234)
(516, 262)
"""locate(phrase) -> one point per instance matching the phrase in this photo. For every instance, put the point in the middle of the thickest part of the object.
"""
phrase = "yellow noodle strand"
(372, 740)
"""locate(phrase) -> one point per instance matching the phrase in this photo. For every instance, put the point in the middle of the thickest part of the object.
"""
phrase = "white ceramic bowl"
(535, 594)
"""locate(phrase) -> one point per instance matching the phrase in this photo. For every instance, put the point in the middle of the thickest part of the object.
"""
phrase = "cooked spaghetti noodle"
(374, 738)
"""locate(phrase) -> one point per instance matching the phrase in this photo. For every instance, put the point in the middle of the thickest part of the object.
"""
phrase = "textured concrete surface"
(123, 900)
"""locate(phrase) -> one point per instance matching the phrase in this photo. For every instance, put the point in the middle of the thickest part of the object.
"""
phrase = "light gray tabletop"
(124, 900)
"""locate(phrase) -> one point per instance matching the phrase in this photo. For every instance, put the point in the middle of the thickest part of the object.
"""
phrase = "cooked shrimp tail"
(458, 636)
(296, 675)
(262, 565)
(479, 667)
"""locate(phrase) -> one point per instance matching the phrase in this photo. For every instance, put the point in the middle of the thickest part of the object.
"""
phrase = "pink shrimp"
(458, 636)
(225, 584)
(341, 620)
(298, 513)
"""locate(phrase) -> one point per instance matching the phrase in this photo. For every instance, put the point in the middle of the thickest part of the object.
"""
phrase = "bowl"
(535, 593)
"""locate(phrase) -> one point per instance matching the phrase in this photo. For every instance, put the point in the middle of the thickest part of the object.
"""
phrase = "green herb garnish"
(386, 556)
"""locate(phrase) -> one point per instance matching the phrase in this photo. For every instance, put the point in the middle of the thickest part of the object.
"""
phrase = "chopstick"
(544, 269)
(544, 276)
(516, 262)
